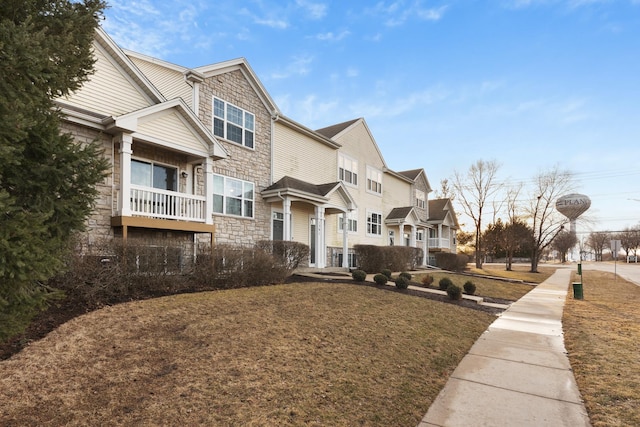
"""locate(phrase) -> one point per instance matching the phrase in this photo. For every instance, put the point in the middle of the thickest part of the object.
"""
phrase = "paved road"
(630, 272)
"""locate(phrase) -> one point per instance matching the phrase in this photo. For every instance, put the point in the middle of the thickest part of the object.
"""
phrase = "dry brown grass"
(301, 354)
(518, 272)
(602, 336)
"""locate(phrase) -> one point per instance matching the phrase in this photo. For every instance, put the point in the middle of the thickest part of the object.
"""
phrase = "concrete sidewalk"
(517, 373)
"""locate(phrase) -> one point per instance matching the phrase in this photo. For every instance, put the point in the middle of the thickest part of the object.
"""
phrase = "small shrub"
(469, 287)
(380, 279)
(358, 275)
(406, 275)
(444, 283)
(402, 282)
(427, 279)
(454, 292)
(386, 272)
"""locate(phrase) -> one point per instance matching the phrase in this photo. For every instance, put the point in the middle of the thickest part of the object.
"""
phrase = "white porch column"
(345, 241)
(321, 252)
(440, 236)
(208, 190)
(124, 198)
(412, 236)
(286, 216)
(401, 236)
(425, 247)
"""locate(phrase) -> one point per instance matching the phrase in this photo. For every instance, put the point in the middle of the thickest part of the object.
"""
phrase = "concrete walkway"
(517, 373)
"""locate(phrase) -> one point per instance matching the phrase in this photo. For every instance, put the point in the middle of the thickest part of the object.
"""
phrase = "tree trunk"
(534, 261)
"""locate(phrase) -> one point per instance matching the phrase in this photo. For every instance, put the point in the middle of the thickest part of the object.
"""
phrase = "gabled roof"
(302, 190)
(242, 65)
(399, 213)
(333, 130)
(440, 210)
(417, 174)
(130, 122)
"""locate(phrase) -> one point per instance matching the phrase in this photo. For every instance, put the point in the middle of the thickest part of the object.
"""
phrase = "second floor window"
(153, 175)
(352, 222)
(232, 196)
(374, 180)
(420, 199)
(347, 169)
(233, 123)
(374, 223)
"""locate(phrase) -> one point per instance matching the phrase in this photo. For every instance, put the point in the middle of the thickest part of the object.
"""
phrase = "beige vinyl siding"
(300, 217)
(168, 126)
(169, 82)
(395, 192)
(112, 94)
(300, 157)
(357, 143)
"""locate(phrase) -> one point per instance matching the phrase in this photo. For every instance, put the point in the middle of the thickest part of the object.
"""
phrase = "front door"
(312, 242)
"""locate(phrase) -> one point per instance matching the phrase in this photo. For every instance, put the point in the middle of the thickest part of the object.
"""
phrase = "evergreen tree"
(47, 181)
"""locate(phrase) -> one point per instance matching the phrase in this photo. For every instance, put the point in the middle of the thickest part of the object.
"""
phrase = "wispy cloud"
(332, 37)
(396, 13)
(299, 66)
(313, 9)
(279, 24)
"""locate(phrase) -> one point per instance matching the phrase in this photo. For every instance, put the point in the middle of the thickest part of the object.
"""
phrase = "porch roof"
(318, 194)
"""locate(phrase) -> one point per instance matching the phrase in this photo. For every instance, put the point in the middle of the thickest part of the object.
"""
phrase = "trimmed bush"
(386, 272)
(406, 275)
(358, 275)
(427, 279)
(444, 283)
(402, 282)
(454, 292)
(372, 258)
(380, 279)
(469, 287)
(451, 262)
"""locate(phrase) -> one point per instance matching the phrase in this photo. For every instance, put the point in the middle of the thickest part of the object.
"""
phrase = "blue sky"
(532, 84)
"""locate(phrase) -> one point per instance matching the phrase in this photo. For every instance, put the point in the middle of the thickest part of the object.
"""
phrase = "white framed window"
(347, 169)
(233, 196)
(374, 223)
(233, 123)
(392, 237)
(352, 222)
(374, 180)
(419, 235)
(420, 199)
(149, 174)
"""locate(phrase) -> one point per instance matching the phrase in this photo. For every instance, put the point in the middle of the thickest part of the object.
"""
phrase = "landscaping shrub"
(386, 272)
(469, 287)
(380, 279)
(373, 258)
(451, 262)
(454, 292)
(358, 275)
(406, 275)
(402, 282)
(427, 279)
(290, 254)
(444, 283)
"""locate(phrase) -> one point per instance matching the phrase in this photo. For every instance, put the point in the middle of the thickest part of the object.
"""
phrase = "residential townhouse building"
(204, 154)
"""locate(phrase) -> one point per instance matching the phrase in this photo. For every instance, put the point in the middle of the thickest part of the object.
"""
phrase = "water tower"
(572, 206)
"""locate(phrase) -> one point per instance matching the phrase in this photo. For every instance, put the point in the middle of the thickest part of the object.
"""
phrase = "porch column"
(345, 241)
(412, 236)
(401, 236)
(320, 245)
(425, 247)
(286, 223)
(124, 197)
(440, 236)
(207, 165)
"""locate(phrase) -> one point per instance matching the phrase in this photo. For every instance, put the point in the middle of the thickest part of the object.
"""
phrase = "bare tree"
(445, 191)
(563, 242)
(546, 222)
(598, 241)
(629, 240)
(474, 190)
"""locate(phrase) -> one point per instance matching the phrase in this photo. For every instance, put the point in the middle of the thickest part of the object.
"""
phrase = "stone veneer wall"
(252, 165)
(98, 225)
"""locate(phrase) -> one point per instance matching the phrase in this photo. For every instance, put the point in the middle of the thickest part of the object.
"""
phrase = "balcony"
(164, 204)
(439, 243)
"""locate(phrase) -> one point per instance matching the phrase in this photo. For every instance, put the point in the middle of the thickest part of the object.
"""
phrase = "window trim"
(370, 171)
(342, 158)
(152, 164)
(352, 219)
(370, 223)
(243, 200)
(226, 122)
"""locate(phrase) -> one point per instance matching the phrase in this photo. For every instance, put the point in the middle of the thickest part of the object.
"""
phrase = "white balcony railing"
(439, 243)
(165, 204)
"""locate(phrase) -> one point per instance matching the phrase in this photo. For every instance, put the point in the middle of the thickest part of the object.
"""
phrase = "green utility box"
(577, 290)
